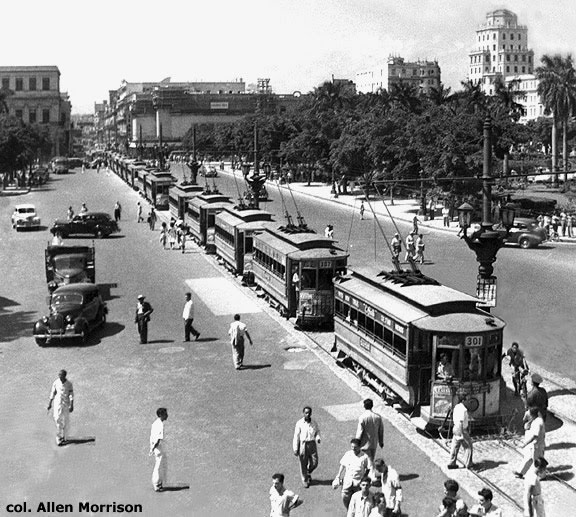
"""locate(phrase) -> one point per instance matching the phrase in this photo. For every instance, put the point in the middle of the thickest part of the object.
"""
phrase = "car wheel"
(41, 341)
(524, 243)
(103, 319)
(99, 233)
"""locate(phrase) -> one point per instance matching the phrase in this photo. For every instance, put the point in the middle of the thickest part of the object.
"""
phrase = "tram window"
(353, 316)
(388, 337)
(249, 244)
(399, 345)
(446, 362)
(491, 363)
(308, 279)
(340, 309)
(361, 321)
(369, 323)
(474, 359)
(325, 279)
(378, 330)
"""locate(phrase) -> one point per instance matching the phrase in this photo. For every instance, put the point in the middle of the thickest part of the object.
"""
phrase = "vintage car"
(525, 232)
(98, 224)
(75, 310)
(24, 217)
(69, 265)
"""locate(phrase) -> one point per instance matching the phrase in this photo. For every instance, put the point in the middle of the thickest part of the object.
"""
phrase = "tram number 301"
(474, 341)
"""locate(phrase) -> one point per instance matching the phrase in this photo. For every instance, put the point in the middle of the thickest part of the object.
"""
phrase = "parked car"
(75, 311)
(98, 224)
(60, 165)
(25, 217)
(75, 162)
(525, 233)
(42, 174)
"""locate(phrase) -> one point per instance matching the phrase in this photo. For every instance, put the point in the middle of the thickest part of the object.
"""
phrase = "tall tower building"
(501, 50)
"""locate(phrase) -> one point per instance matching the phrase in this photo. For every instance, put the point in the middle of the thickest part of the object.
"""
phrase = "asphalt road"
(227, 431)
(535, 286)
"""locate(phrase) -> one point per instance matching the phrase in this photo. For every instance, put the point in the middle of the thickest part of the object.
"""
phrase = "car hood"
(61, 221)
(66, 309)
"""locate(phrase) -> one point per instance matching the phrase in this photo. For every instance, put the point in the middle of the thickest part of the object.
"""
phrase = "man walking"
(538, 397)
(534, 441)
(143, 311)
(152, 218)
(117, 211)
(389, 481)
(409, 247)
(460, 433)
(362, 210)
(62, 397)
(139, 217)
(158, 449)
(353, 467)
(533, 501)
(237, 332)
(306, 436)
(188, 316)
(282, 501)
(370, 432)
(362, 502)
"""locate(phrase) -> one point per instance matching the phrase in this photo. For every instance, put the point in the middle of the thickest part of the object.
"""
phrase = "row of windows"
(503, 34)
(395, 72)
(32, 84)
(524, 70)
(381, 335)
(478, 59)
(267, 262)
(227, 237)
(33, 116)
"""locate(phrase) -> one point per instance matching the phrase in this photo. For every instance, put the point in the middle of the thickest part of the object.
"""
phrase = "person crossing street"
(62, 398)
(188, 316)
(306, 436)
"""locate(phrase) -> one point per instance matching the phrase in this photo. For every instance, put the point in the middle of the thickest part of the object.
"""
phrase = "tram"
(294, 267)
(395, 329)
(156, 188)
(200, 218)
(178, 197)
(235, 229)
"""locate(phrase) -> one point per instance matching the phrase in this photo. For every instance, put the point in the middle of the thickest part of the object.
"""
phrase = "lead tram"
(393, 328)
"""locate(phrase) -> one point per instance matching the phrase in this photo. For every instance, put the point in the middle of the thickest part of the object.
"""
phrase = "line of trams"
(391, 328)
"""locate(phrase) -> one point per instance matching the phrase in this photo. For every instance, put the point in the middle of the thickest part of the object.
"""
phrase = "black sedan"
(525, 233)
(98, 224)
(75, 310)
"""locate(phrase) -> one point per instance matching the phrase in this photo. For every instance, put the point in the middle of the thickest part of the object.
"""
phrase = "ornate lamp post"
(486, 242)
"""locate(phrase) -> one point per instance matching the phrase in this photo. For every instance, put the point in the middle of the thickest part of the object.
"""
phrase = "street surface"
(535, 286)
(227, 431)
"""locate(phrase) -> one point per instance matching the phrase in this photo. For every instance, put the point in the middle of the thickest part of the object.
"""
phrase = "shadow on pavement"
(408, 477)
(206, 339)
(488, 465)
(255, 366)
(175, 487)
(15, 325)
(321, 482)
(160, 341)
(78, 441)
(111, 329)
(560, 445)
(105, 291)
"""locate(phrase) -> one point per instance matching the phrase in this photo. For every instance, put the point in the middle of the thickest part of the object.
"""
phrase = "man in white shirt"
(370, 432)
(158, 449)
(353, 467)
(534, 441)
(460, 433)
(282, 501)
(188, 316)
(391, 488)
(362, 502)
(533, 501)
(306, 436)
(62, 395)
(237, 332)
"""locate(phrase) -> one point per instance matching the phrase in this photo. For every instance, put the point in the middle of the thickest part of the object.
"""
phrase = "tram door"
(294, 285)
(421, 360)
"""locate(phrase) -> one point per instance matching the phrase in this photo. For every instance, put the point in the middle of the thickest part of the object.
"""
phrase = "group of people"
(174, 235)
(559, 223)
(414, 247)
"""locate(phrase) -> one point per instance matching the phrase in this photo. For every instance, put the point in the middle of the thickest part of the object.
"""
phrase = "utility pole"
(160, 150)
(256, 148)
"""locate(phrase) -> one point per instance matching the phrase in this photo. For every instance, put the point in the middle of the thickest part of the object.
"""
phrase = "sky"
(297, 44)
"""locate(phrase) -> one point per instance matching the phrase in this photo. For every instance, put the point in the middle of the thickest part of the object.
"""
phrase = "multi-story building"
(35, 98)
(422, 74)
(502, 54)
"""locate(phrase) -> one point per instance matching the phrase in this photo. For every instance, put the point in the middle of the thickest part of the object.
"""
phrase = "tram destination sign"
(486, 292)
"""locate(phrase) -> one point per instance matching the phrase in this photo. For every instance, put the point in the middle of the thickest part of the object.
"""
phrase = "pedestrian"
(362, 210)
(451, 488)
(143, 311)
(415, 222)
(158, 449)
(282, 500)
(569, 224)
(117, 211)
(183, 236)
(353, 467)
(389, 480)
(460, 433)
(304, 445)
(409, 247)
(139, 217)
(396, 245)
(446, 216)
(62, 398)
(518, 365)
(432, 209)
(70, 214)
(370, 432)
(485, 507)
(537, 396)
(237, 332)
(563, 222)
(83, 167)
(534, 443)
(163, 235)
(172, 236)
(83, 208)
(379, 505)
(533, 500)
(188, 316)
(420, 249)
(152, 217)
(98, 168)
(362, 502)
(329, 231)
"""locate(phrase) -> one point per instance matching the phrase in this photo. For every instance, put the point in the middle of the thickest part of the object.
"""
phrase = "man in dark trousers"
(143, 311)
(188, 316)
(537, 397)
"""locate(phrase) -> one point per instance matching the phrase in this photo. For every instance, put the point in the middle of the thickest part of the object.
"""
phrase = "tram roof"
(301, 240)
(461, 322)
(249, 214)
(209, 199)
(185, 190)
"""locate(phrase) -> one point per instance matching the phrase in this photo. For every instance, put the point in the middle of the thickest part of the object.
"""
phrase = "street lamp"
(486, 241)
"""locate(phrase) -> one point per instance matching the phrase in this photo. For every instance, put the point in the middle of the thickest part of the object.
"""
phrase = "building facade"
(35, 98)
(422, 74)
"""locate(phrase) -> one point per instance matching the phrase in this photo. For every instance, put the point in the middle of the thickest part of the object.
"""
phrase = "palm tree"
(557, 90)
(441, 95)
(405, 94)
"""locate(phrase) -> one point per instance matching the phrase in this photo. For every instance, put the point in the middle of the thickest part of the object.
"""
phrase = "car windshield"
(66, 298)
(69, 262)
(26, 210)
